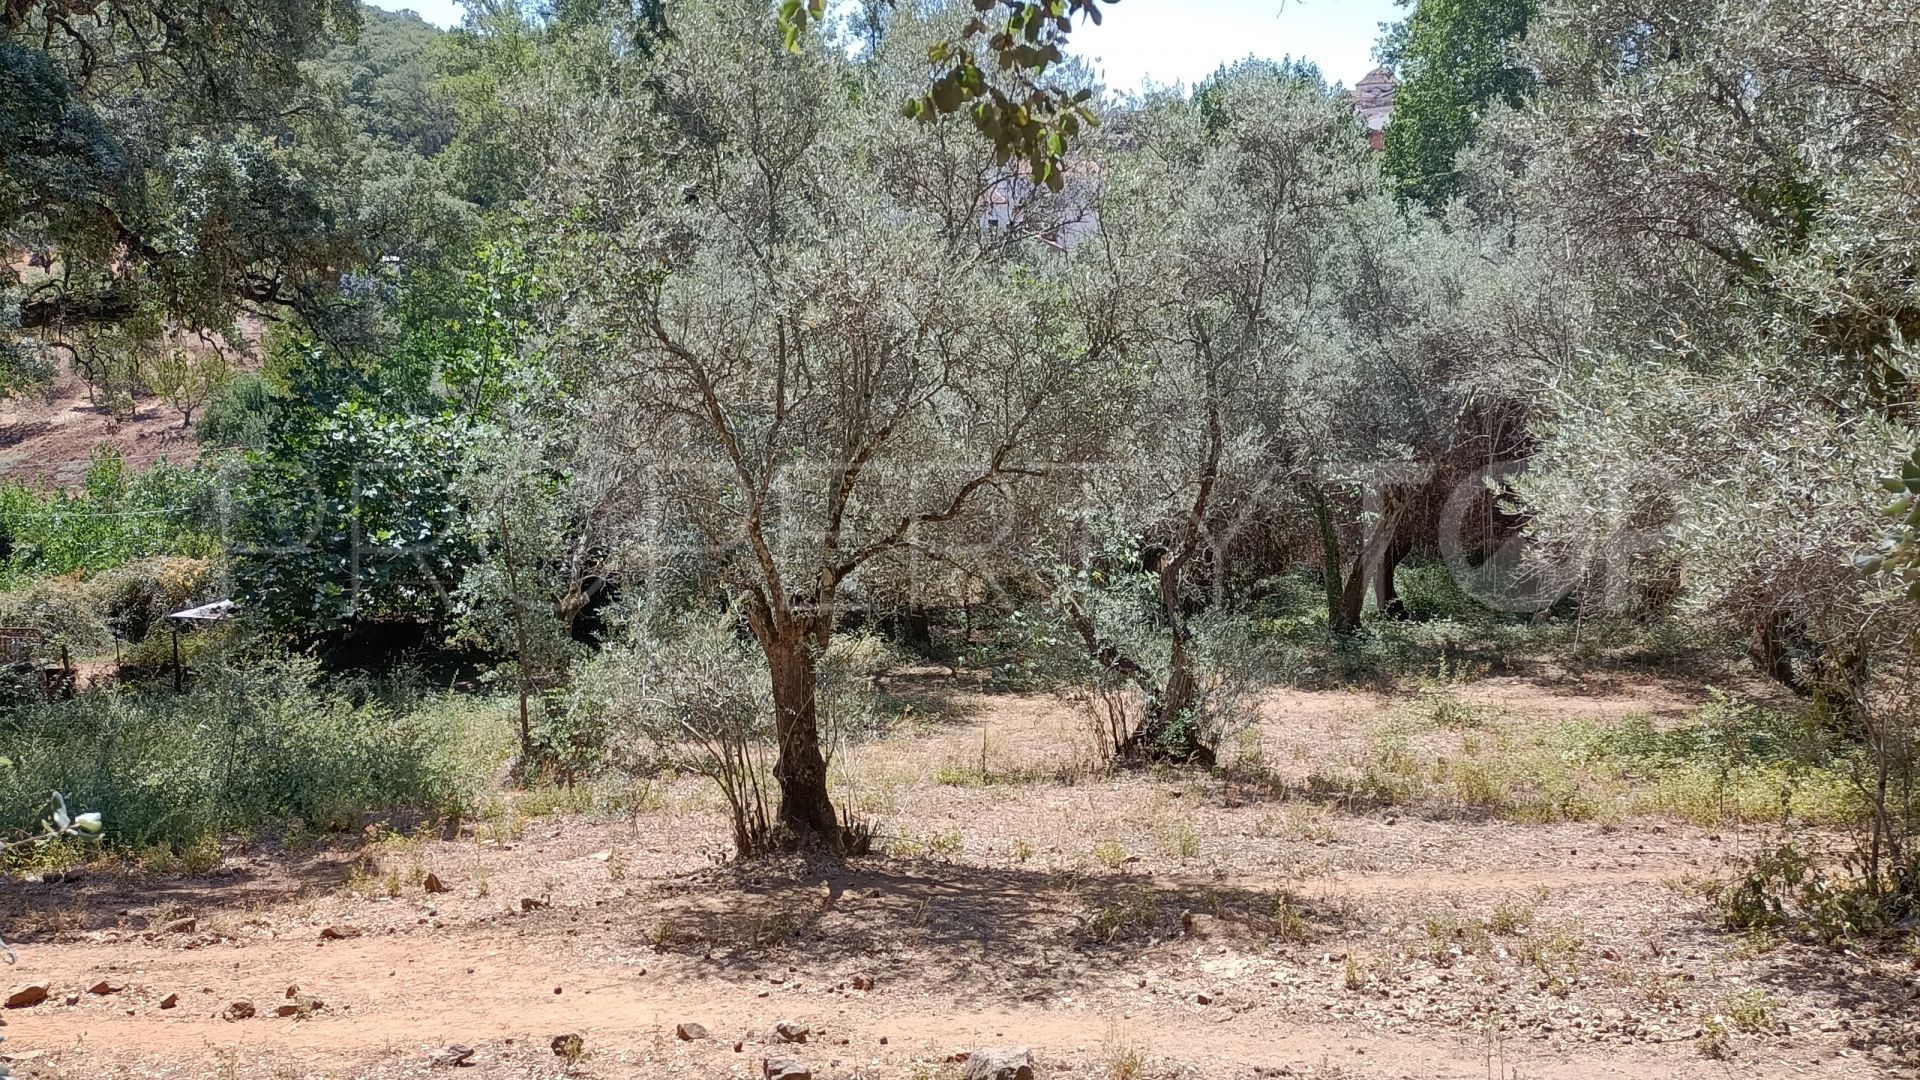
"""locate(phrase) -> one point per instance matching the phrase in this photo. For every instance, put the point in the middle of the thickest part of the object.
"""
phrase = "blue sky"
(1168, 41)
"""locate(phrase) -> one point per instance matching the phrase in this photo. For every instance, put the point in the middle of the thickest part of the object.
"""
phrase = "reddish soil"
(1125, 926)
(50, 437)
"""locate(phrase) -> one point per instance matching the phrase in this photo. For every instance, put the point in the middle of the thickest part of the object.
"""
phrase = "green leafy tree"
(384, 76)
(1455, 58)
(1000, 70)
(494, 71)
(169, 168)
(187, 378)
(136, 167)
(348, 516)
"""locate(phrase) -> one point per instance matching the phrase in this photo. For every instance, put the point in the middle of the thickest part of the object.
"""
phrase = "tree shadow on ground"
(992, 933)
(107, 897)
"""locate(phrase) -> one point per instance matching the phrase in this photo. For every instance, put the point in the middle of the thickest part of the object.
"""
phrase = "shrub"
(63, 609)
(1785, 884)
(267, 746)
(134, 599)
(1431, 591)
(241, 413)
(690, 694)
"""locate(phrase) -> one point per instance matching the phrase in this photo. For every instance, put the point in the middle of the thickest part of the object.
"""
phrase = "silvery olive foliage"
(1217, 266)
(1287, 328)
(1734, 183)
(799, 345)
(690, 691)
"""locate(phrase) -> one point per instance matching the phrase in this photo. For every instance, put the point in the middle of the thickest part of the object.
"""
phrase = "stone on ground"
(999, 1063)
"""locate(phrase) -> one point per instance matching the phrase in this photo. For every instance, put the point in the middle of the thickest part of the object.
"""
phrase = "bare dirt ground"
(50, 437)
(1129, 926)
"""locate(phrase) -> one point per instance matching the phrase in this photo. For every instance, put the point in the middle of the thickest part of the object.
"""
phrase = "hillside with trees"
(720, 537)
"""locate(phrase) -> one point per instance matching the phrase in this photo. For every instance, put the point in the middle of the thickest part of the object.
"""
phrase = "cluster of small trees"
(791, 325)
(819, 346)
(1733, 187)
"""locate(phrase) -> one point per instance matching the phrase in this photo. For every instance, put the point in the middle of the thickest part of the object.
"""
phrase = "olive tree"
(1444, 330)
(1213, 266)
(806, 329)
(1735, 184)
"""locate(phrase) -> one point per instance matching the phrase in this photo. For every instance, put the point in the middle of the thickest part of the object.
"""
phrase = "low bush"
(1793, 885)
(690, 692)
(1431, 591)
(1733, 761)
(129, 602)
(63, 609)
(248, 749)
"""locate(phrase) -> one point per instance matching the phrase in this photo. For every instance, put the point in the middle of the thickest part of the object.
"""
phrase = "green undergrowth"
(1727, 762)
(271, 747)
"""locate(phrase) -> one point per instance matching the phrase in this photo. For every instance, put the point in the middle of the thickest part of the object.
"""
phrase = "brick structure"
(1373, 100)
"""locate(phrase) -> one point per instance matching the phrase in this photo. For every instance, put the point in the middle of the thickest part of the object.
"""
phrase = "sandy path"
(406, 996)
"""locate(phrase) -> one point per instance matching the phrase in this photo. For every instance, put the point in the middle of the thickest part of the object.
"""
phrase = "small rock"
(21, 997)
(1202, 999)
(73, 999)
(453, 1056)
(105, 987)
(739, 1046)
(689, 1032)
(782, 1068)
(340, 933)
(433, 884)
(239, 1010)
(528, 903)
(883, 1040)
(999, 1063)
(863, 982)
(788, 1031)
(170, 1001)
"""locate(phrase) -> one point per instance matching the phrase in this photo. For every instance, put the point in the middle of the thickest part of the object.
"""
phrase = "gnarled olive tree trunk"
(1345, 616)
(792, 644)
